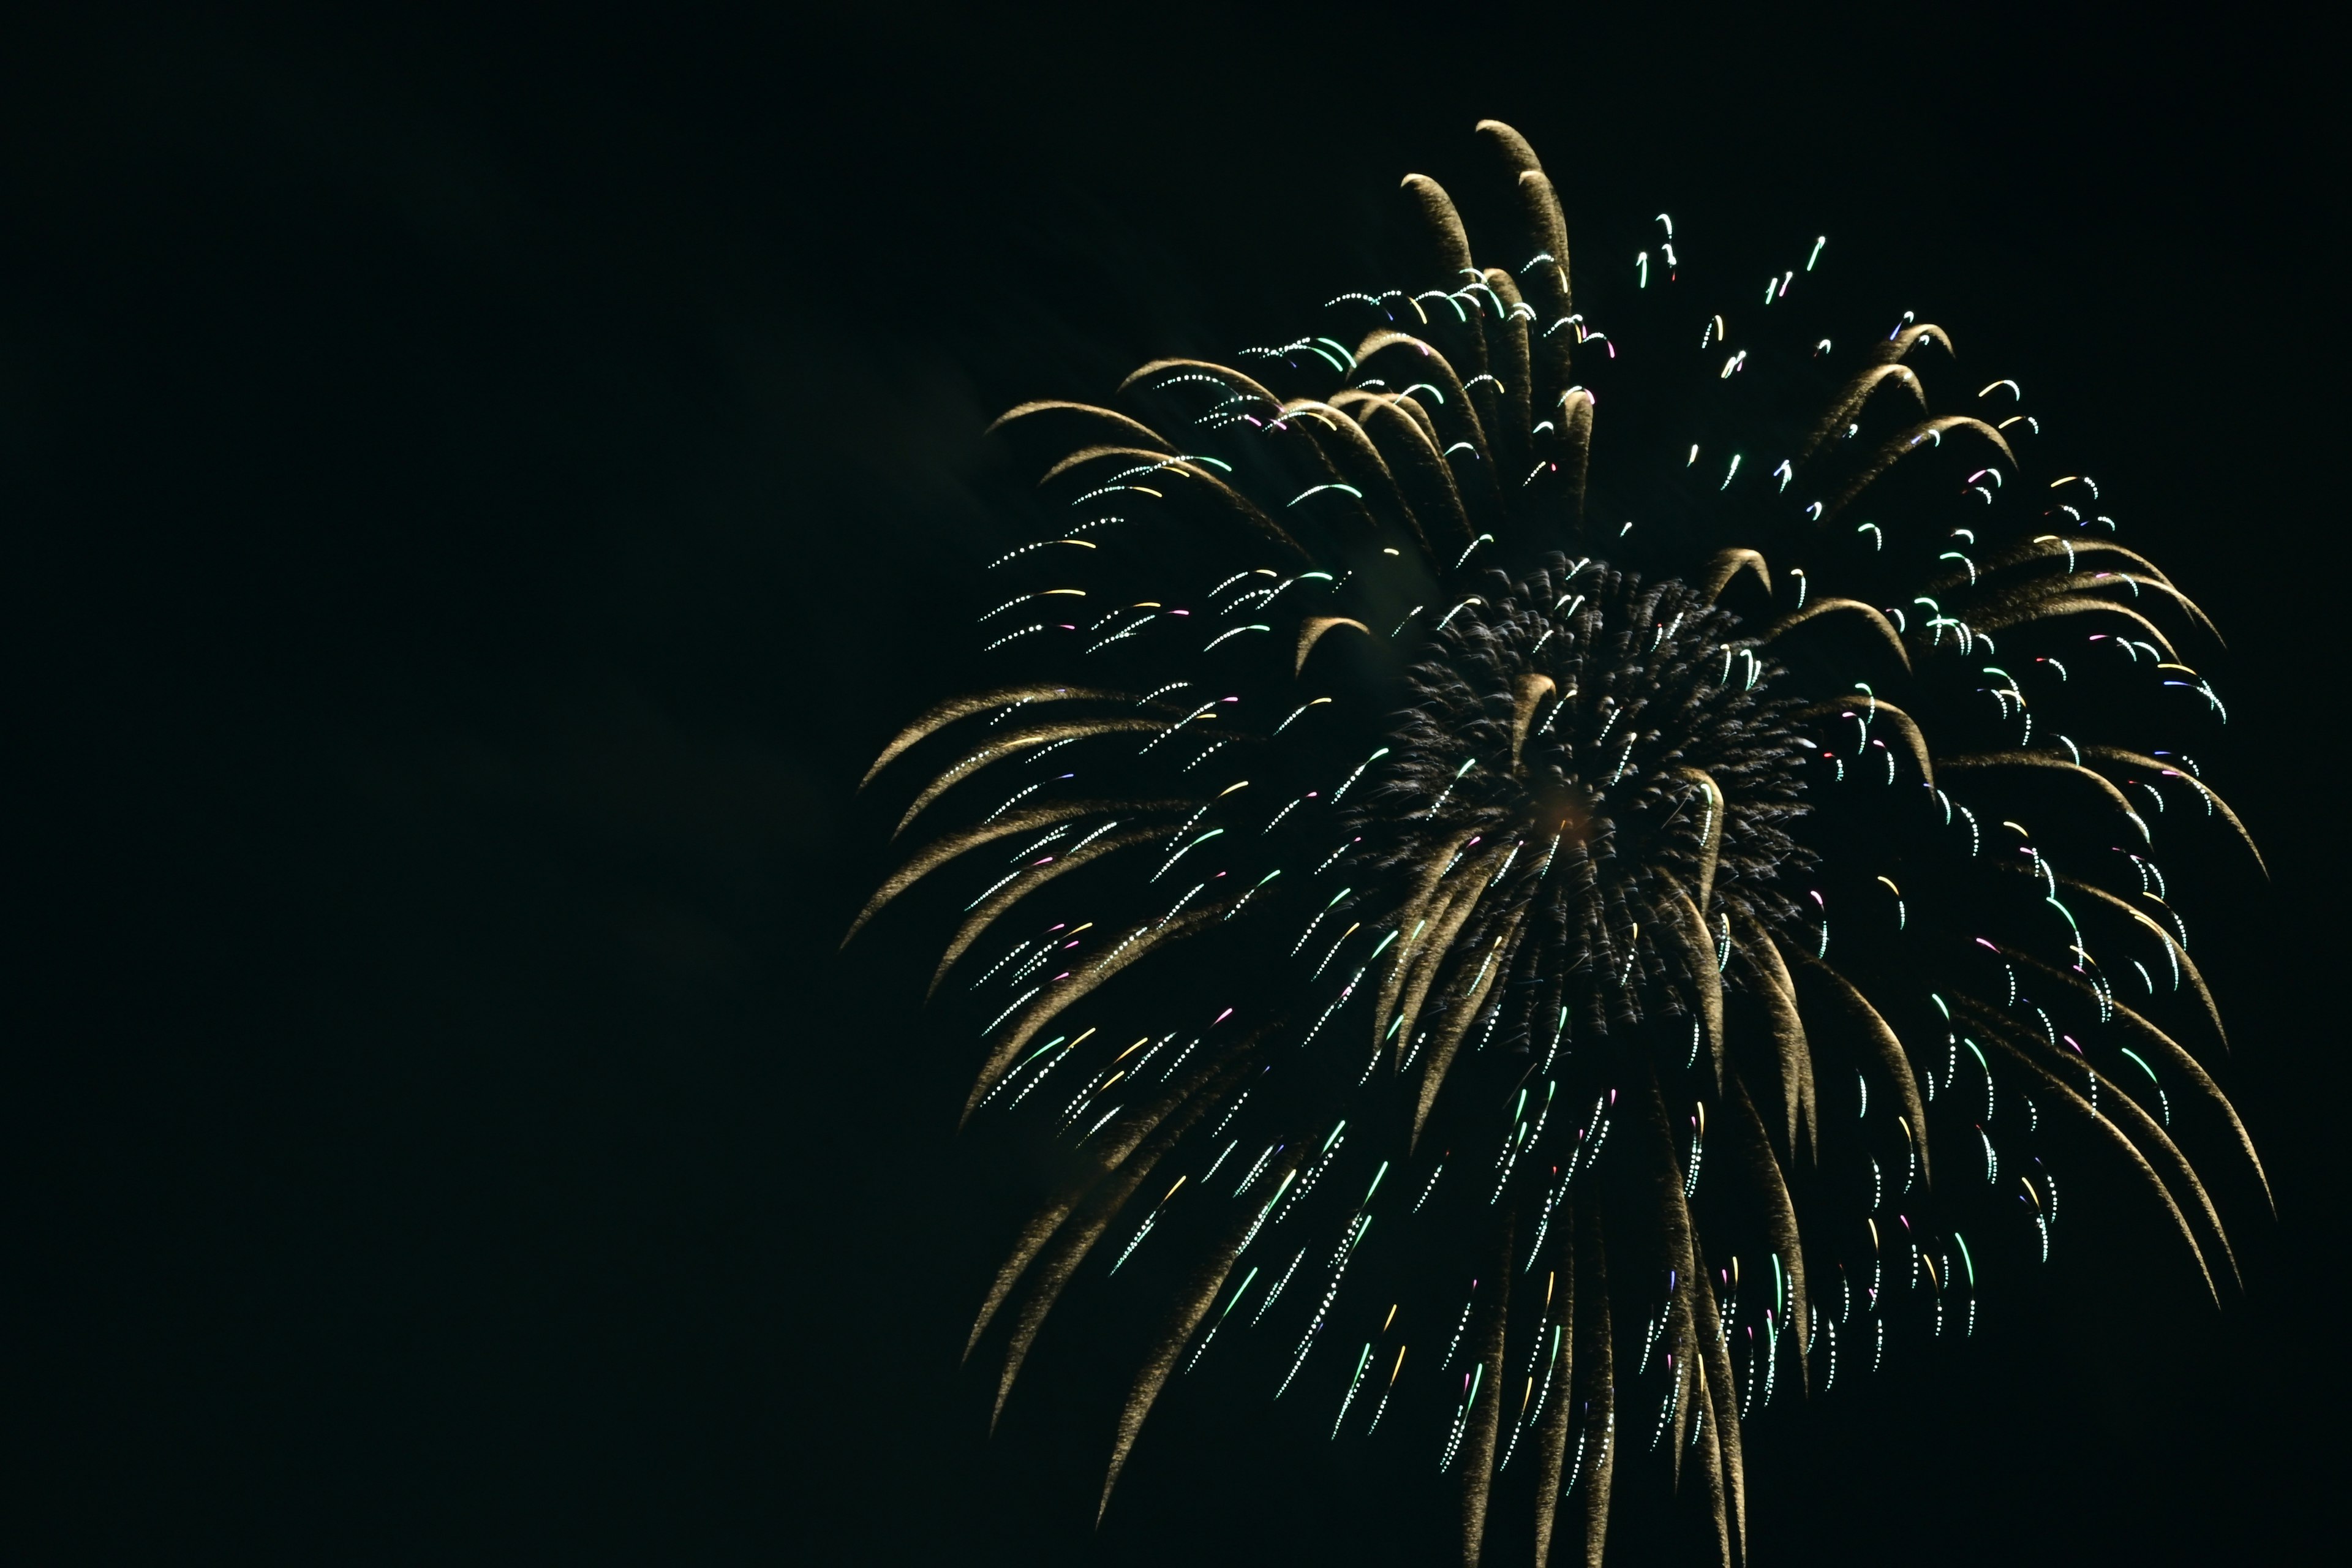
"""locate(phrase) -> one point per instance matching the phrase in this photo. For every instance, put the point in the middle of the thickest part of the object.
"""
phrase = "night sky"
(478, 486)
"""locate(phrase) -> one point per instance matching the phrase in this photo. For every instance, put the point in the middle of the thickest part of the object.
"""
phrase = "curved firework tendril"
(1428, 802)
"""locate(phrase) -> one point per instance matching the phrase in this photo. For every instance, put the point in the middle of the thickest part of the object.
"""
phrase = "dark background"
(477, 485)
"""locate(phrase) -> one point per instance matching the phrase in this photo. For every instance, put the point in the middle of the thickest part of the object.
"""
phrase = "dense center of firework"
(1601, 742)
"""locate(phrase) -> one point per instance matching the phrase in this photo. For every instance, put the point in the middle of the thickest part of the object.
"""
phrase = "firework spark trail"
(1552, 1451)
(1540, 744)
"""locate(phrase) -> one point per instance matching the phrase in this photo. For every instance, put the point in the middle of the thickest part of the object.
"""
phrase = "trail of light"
(1275, 1294)
(1347, 1250)
(1375, 1424)
(1231, 1302)
(1355, 1381)
(1462, 1417)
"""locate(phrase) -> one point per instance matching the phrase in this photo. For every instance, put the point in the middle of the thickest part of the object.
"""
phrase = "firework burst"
(1400, 856)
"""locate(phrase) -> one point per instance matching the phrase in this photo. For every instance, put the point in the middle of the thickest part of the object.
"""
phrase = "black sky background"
(477, 485)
